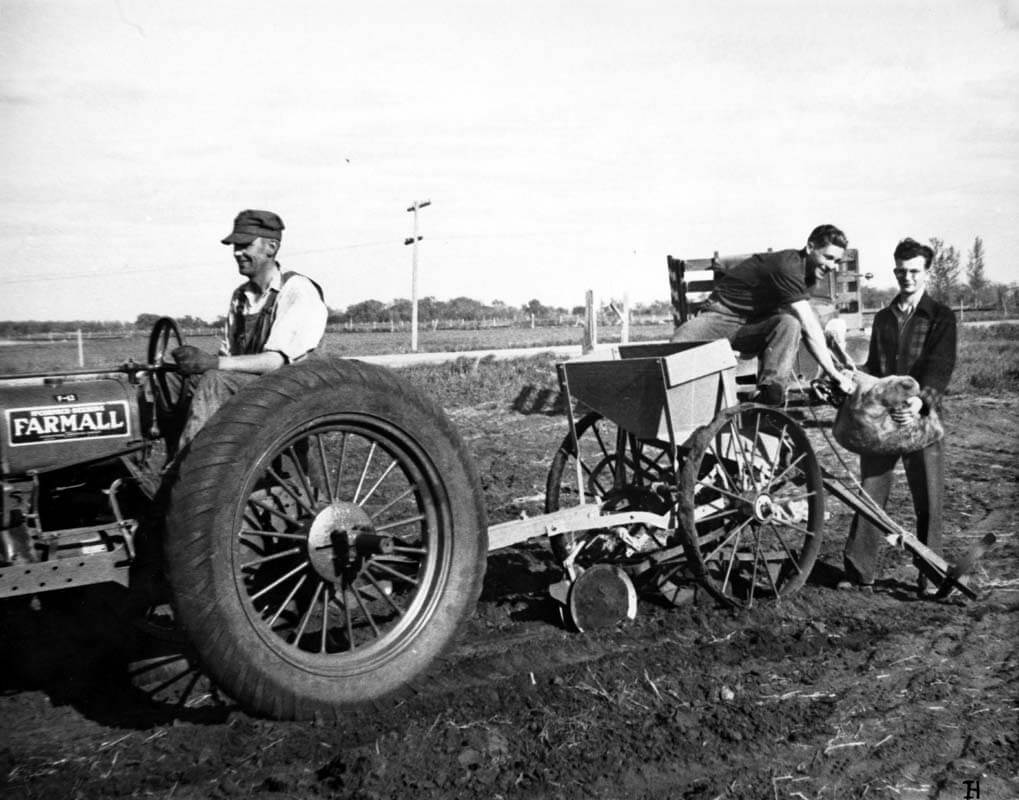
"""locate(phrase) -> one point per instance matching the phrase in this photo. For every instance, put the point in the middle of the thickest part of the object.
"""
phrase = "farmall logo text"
(61, 423)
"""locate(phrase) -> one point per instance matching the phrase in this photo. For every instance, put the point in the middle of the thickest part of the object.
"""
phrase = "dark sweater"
(925, 348)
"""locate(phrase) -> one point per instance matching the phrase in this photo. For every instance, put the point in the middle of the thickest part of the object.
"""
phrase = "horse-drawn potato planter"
(324, 536)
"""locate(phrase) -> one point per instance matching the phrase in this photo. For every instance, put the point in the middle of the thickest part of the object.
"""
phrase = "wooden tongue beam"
(947, 576)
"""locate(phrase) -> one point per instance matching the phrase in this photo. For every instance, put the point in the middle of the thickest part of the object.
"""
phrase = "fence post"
(81, 350)
(590, 323)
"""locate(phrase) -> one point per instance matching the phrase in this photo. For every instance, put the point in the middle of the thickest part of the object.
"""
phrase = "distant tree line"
(431, 309)
(35, 327)
(465, 308)
(950, 284)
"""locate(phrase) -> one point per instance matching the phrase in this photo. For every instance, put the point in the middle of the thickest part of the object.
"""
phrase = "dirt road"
(825, 695)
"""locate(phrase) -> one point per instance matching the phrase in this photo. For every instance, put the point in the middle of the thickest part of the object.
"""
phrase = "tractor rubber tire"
(253, 529)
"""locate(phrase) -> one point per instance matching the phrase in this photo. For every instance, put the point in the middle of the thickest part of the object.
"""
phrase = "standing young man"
(762, 306)
(913, 336)
(275, 318)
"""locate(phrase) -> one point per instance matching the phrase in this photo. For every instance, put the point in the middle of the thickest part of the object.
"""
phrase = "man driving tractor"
(275, 318)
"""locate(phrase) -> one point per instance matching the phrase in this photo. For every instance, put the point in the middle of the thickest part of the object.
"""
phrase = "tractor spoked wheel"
(752, 505)
(164, 666)
(326, 540)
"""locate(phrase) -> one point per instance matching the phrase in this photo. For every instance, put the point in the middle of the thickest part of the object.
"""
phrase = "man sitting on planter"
(762, 306)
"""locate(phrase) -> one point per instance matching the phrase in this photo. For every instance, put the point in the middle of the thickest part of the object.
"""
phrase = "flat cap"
(251, 223)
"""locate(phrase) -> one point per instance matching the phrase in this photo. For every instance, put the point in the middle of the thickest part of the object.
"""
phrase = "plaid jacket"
(925, 349)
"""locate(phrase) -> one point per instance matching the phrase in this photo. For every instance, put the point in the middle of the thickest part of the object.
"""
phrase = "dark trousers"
(774, 339)
(209, 392)
(925, 473)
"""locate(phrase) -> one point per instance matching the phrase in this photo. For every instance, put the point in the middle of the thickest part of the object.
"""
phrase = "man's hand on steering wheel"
(193, 361)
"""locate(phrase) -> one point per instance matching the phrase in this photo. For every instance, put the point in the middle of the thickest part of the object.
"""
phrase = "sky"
(564, 146)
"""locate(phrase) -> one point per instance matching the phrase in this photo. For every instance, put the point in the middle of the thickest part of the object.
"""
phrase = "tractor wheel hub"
(334, 536)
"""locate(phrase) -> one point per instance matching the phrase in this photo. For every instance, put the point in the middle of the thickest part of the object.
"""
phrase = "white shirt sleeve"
(300, 319)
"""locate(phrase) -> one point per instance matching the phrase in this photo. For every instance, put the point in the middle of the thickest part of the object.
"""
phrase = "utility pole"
(413, 241)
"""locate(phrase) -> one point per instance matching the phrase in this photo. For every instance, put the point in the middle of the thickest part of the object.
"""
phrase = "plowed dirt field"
(826, 694)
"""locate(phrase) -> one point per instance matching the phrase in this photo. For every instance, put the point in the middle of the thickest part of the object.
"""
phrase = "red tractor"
(319, 542)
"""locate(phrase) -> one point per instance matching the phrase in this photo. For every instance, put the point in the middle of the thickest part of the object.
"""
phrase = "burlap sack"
(863, 423)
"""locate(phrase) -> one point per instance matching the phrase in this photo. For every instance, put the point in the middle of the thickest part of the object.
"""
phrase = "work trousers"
(774, 339)
(925, 474)
(212, 389)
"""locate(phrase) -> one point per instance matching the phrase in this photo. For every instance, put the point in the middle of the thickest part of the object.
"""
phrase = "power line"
(289, 253)
(185, 265)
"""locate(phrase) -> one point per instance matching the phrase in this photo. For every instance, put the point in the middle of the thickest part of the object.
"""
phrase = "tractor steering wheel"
(167, 383)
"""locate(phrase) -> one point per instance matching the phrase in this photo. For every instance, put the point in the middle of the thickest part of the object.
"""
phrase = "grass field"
(988, 358)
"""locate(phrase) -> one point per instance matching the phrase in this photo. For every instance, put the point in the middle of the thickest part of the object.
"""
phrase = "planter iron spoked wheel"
(752, 504)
